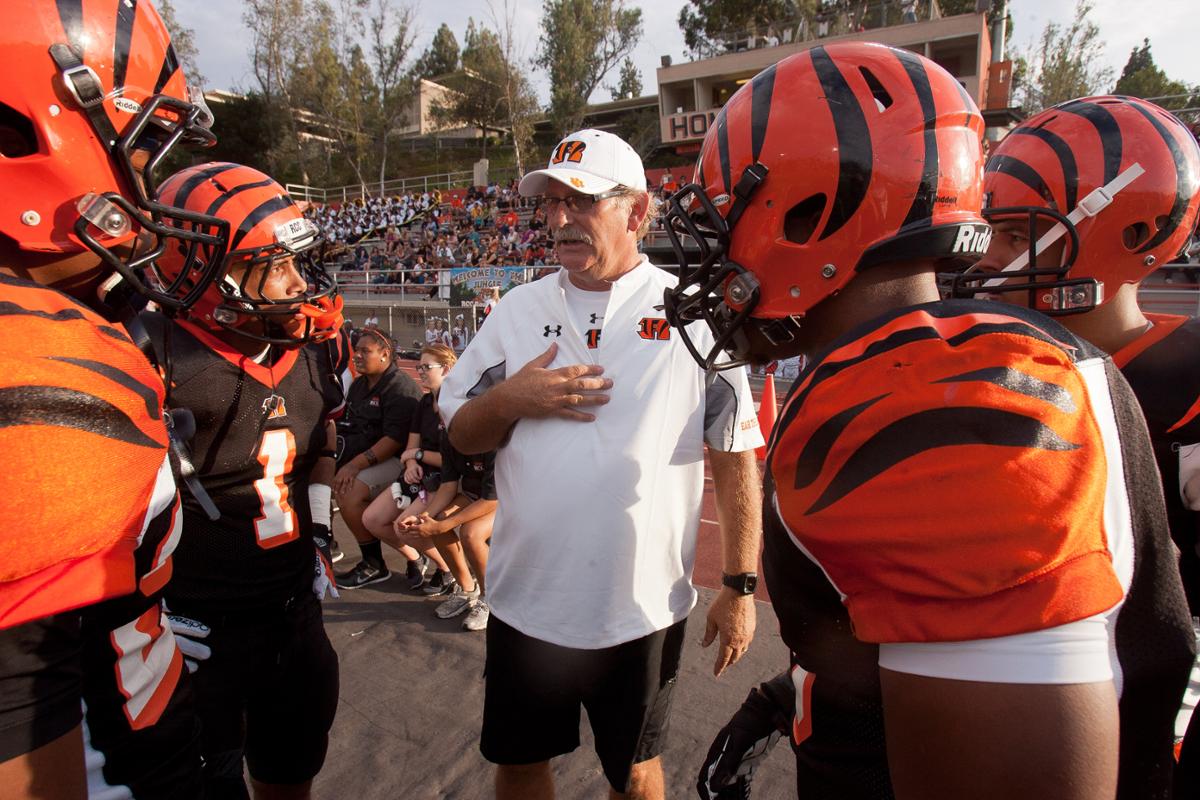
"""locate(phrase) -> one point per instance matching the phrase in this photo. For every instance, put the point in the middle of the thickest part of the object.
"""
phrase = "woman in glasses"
(422, 463)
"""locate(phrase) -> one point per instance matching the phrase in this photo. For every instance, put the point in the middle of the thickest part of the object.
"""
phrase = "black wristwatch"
(745, 583)
(419, 455)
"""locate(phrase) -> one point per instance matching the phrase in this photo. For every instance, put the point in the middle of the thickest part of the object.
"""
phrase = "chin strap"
(1096, 201)
(325, 317)
(116, 297)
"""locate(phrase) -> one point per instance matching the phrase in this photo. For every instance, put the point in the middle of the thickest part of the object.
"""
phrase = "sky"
(1173, 27)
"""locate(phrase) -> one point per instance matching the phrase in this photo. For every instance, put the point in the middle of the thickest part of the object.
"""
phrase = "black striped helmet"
(1117, 176)
(92, 99)
(266, 229)
(825, 164)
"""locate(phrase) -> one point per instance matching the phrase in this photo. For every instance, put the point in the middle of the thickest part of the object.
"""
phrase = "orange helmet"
(825, 164)
(90, 88)
(265, 226)
(1118, 176)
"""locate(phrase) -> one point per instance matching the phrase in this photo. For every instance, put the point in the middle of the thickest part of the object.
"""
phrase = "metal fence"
(420, 183)
(391, 284)
(1175, 299)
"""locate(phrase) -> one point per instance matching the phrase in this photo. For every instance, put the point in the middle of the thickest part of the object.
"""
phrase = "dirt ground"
(412, 699)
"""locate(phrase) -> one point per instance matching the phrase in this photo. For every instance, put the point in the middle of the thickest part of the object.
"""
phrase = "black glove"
(746, 740)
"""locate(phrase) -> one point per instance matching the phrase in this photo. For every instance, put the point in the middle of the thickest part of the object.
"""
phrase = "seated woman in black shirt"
(458, 519)
(379, 411)
(422, 461)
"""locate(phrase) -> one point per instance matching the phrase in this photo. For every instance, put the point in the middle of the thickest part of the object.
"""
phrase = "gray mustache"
(571, 235)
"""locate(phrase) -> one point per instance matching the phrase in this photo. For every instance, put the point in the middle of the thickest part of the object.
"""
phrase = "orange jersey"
(954, 472)
(85, 446)
(91, 522)
(929, 420)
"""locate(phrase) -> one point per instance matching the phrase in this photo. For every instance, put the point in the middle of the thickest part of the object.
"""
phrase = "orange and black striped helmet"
(832, 161)
(1119, 177)
(92, 99)
(266, 229)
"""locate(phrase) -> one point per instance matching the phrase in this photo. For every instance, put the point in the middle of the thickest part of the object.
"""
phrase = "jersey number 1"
(277, 524)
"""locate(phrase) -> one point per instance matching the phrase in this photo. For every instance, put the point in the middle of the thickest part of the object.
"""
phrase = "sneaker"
(477, 619)
(416, 572)
(457, 603)
(335, 552)
(362, 575)
(440, 584)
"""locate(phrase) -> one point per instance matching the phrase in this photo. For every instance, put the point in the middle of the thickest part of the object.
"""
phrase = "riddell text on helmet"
(973, 239)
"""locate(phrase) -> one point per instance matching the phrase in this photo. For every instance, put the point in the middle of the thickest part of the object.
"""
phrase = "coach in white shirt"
(601, 417)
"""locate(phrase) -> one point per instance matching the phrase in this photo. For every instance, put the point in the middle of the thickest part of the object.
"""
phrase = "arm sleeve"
(418, 417)
(399, 412)
(41, 683)
(730, 419)
(487, 489)
(481, 366)
(450, 471)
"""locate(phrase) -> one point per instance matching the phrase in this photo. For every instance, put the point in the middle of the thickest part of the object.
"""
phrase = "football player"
(91, 100)
(1086, 200)
(252, 361)
(960, 529)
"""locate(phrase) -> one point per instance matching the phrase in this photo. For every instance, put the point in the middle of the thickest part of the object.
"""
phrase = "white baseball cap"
(589, 161)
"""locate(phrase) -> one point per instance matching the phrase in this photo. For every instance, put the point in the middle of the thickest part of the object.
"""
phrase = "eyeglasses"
(578, 203)
(427, 367)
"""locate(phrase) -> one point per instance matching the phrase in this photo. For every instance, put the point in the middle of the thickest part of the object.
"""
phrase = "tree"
(477, 97)
(629, 84)
(391, 39)
(1066, 62)
(1141, 77)
(184, 41)
(441, 57)
(952, 8)
(520, 101)
(582, 40)
(243, 126)
(350, 85)
(275, 52)
(707, 23)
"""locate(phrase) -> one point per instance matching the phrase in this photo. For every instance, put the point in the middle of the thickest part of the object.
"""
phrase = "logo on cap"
(569, 151)
(577, 183)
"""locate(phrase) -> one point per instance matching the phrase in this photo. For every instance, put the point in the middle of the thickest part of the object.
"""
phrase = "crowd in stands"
(406, 239)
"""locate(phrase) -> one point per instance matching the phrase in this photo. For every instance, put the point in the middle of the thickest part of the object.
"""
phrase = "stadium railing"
(420, 183)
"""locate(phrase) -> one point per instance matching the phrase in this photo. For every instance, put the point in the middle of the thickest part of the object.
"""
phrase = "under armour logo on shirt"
(595, 318)
(556, 330)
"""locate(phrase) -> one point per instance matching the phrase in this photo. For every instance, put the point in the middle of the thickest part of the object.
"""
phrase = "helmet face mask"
(1040, 272)
(691, 216)
(248, 309)
(103, 102)
(889, 170)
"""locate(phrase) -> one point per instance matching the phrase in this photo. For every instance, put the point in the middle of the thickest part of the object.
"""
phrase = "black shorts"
(534, 691)
(41, 683)
(268, 693)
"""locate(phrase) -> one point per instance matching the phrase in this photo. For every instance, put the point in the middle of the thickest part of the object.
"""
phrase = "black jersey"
(260, 428)
(942, 474)
(1163, 367)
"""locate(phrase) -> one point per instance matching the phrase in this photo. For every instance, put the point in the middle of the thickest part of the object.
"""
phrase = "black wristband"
(744, 583)
(372, 459)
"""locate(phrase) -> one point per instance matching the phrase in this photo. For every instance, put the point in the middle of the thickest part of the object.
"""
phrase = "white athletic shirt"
(595, 532)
